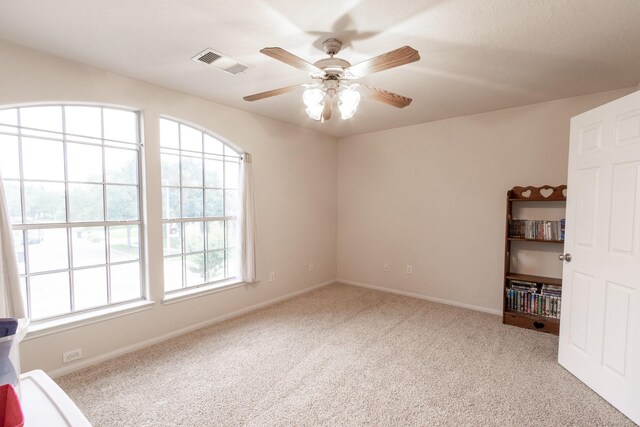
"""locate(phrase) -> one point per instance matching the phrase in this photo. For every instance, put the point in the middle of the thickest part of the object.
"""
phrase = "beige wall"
(295, 179)
(433, 196)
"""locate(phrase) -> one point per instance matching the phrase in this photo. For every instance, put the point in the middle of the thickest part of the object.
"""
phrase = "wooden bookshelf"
(525, 317)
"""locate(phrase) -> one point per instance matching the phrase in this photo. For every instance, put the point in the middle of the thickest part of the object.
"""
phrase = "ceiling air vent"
(221, 62)
(208, 57)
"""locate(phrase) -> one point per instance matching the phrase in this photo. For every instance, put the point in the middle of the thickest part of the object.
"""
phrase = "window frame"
(69, 226)
(185, 290)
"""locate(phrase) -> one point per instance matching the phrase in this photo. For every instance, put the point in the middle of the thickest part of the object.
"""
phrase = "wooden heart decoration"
(526, 193)
(546, 192)
(538, 325)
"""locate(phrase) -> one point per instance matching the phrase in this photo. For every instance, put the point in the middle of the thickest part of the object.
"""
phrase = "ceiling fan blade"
(387, 97)
(270, 93)
(395, 58)
(289, 58)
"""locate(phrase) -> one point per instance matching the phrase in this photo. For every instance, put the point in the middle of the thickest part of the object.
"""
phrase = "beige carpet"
(343, 356)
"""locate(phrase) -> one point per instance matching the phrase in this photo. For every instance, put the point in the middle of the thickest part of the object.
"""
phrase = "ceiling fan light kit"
(321, 98)
(334, 75)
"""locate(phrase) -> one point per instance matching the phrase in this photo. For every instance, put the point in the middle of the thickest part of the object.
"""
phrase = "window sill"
(75, 321)
(203, 290)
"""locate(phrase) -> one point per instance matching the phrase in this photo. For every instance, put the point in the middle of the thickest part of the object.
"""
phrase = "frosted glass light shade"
(312, 96)
(348, 103)
(315, 111)
(314, 100)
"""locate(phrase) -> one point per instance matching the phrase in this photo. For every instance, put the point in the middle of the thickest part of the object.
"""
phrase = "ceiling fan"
(334, 76)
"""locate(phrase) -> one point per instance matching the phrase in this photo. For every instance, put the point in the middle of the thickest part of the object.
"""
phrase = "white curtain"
(11, 304)
(248, 268)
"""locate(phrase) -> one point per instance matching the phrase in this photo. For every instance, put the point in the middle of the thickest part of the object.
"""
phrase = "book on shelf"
(536, 229)
(554, 291)
(534, 298)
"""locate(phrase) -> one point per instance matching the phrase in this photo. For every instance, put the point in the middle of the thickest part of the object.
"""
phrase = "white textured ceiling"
(477, 55)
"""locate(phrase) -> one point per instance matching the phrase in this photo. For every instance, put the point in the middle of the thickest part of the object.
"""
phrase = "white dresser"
(46, 404)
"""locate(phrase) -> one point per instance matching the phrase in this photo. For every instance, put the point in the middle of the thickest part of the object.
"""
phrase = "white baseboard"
(156, 340)
(421, 296)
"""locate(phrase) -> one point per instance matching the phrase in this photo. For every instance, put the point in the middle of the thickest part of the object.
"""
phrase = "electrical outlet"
(72, 355)
(310, 266)
(409, 269)
(386, 267)
(272, 276)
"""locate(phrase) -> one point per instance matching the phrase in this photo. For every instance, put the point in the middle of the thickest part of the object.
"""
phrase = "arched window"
(72, 179)
(200, 185)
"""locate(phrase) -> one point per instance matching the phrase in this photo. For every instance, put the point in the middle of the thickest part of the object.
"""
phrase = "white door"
(600, 326)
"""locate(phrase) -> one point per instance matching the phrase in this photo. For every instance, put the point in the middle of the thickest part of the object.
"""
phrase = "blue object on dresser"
(8, 374)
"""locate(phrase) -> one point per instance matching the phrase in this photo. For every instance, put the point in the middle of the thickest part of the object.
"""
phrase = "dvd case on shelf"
(536, 229)
(534, 298)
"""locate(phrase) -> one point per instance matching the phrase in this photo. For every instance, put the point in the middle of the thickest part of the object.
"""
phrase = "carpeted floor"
(342, 355)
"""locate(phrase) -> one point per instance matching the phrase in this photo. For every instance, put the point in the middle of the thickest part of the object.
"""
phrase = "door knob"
(565, 257)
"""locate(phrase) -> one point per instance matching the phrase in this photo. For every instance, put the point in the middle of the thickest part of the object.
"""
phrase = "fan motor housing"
(332, 66)
(332, 46)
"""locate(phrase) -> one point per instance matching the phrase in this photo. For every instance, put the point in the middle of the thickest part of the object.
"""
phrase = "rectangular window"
(72, 178)
(200, 179)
